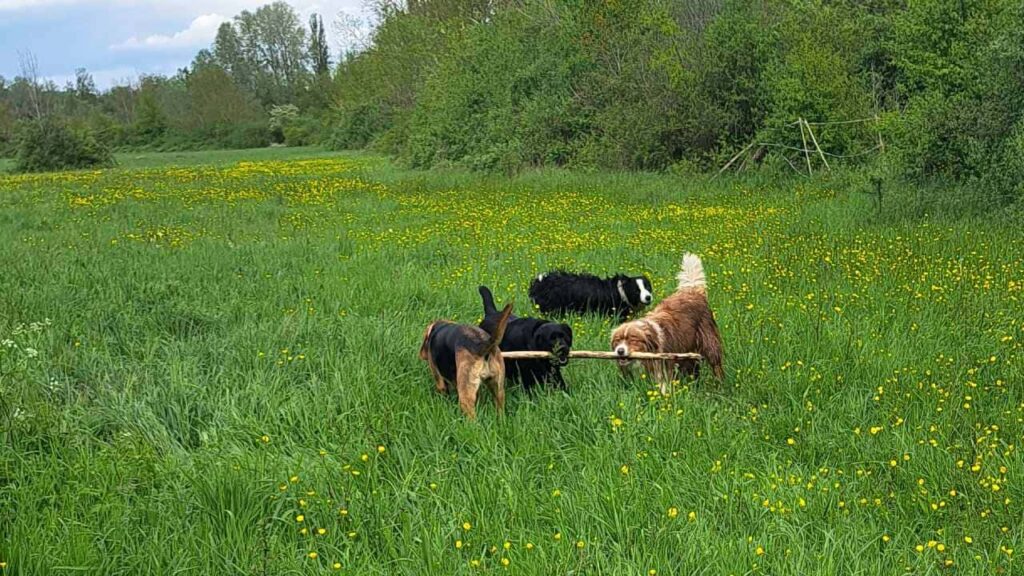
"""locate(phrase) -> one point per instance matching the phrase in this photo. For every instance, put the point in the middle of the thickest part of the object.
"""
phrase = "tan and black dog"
(466, 356)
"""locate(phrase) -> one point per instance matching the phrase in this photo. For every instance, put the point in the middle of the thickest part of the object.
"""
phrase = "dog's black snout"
(646, 299)
(620, 351)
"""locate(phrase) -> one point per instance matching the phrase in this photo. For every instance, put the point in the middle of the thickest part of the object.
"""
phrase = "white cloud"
(199, 33)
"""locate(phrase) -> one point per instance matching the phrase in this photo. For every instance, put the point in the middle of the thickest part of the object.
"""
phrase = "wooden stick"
(729, 163)
(807, 153)
(600, 355)
(815, 140)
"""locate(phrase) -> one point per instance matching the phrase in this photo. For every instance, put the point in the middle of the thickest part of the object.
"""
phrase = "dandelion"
(790, 441)
(692, 516)
(300, 518)
(580, 544)
(505, 561)
(381, 449)
(968, 540)
(507, 545)
(467, 526)
(265, 439)
(529, 545)
(321, 531)
(336, 566)
(624, 469)
(557, 536)
(312, 555)
(458, 544)
(885, 538)
(759, 551)
(364, 457)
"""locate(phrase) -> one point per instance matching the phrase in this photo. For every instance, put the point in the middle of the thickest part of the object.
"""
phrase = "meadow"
(208, 365)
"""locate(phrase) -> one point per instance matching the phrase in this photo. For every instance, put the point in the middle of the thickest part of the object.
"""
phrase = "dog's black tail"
(489, 307)
(499, 330)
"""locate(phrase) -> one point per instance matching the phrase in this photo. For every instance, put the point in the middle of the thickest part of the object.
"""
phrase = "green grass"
(873, 402)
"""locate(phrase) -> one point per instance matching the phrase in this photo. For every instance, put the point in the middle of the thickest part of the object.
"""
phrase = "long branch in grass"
(601, 355)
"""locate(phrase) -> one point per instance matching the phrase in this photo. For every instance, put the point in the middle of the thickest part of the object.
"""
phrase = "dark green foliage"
(319, 51)
(658, 84)
(49, 145)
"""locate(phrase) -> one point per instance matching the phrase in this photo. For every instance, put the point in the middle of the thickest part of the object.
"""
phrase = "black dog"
(530, 334)
(619, 295)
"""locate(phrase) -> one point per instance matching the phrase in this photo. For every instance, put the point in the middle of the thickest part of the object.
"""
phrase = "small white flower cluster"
(10, 346)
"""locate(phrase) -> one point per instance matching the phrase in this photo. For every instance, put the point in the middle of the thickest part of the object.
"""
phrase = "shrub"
(49, 145)
(357, 126)
(248, 135)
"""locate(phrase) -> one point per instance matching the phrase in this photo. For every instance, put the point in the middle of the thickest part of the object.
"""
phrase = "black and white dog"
(530, 334)
(619, 295)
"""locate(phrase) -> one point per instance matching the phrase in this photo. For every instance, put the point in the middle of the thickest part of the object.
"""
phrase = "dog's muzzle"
(561, 353)
(622, 352)
(646, 299)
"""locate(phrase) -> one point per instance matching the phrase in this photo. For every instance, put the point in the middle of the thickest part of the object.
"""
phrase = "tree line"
(932, 89)
(246, 90)
(937, 85)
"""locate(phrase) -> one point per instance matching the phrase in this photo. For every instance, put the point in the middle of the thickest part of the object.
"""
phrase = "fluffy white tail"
(691, 273)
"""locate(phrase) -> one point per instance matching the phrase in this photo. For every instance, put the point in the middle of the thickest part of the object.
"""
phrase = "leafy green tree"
(319, 51)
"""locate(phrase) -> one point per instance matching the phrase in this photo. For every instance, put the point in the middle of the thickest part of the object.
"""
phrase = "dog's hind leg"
(497, 387)
(467, 397)
(440, 383)
(496, 382)
(467, 381)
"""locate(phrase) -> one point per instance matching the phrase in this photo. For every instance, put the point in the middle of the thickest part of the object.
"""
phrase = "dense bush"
(659, 84)
(50, 145)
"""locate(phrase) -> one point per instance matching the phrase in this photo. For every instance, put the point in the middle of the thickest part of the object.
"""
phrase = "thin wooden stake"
(807, 152)
(815, 139)
(600, 355)
(729, 163)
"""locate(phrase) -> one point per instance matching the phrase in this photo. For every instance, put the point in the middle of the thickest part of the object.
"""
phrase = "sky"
(117, 40)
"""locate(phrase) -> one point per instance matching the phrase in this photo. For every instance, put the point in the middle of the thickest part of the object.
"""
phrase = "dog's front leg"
(626, 371)
(556, 378)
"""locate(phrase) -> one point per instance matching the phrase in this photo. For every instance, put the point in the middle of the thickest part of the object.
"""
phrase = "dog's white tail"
(691, 273)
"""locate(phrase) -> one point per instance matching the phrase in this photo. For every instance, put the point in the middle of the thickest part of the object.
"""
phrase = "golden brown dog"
(466, 357)
(681, 323)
